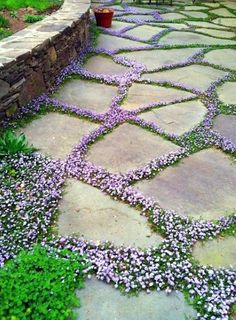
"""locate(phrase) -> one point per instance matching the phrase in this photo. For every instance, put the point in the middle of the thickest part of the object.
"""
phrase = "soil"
(17, 22)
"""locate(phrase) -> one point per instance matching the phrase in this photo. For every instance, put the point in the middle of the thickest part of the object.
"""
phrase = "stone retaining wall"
(31, 59)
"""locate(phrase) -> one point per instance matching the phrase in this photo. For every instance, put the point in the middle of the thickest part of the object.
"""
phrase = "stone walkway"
(152, 114)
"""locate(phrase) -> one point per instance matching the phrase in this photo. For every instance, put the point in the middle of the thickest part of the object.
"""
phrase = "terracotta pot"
(103, 17)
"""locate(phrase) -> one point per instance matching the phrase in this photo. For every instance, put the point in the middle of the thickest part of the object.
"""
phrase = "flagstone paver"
(194, 76)
(55, 134)
(172, 16)
(120, 150)
(230, 4)
(119, 25)
(209, 193)
(104, 65)
(144, 33)
(177, 26)
(195, 8)
(218, 253)
(204, 24)
(108, 42)
(191, 38)
(177, 118)
(142, 95)
(195, 14)
(143, 17)
(86, 94)
(226, 126)
(222, 12)
(153, 59)
(222, 57)
(90, 213)
(217, 33)
(102, 302)
(227, 92)
(228, 22)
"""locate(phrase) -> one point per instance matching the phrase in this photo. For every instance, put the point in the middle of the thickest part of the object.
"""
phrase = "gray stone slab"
(87, 94)
(104, 65)
(218, 252)
(222, 57)
(88, 212)
(195, 14)
(203, 24)
(201, 186)
(154, 59)
(177, 118)
(55, 134)
(100, 301)
(195, 8)
(212, 5)
(142, 95)
(222, 12)
(119, 25)
(128, 147)
(4, 88)
(216, 33)
(230, 4)
(144, 33)
(193, 76)
(227, 93)
(141, 17)
(226, 126)
(228, 22)
(172, 16)
(177, 26)
(114, 43)
(191, 38)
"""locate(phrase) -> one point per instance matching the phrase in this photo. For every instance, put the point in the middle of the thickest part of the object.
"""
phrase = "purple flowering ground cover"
(32, 185)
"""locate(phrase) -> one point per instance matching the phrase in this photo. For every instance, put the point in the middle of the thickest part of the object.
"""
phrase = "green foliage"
(36, 4)
(41, 285)
(30, 18)
(4, 22)
(11, 144)
(4, 33)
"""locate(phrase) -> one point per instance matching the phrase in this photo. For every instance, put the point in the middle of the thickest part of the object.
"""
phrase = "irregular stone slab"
(212, 5)
(141, 95)
(193, 76)
(115, 43)
(201, 186)
(177, 26)
(217, 33)
(154, 59)
(101, 301)
(222, 57)
(172, 16)
(144, 33)
(119, 25)
(144, 10)
(227, 93)
(228, 22)
(218, 252)
(177, 118)
(140, 17)
(102, 218)
(195, 8)
(4, 88)
(230, 4)
(222, 12)
(195, 14)
(102, 65)
(226, 126)
(203, 24)
(191, 38)
(87, 94)
(55, 134)
(119, 151)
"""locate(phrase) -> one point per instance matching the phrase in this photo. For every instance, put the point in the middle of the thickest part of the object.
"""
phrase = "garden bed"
(16, 15)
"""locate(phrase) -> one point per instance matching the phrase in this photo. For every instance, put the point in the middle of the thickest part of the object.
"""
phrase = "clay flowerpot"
(103, 17)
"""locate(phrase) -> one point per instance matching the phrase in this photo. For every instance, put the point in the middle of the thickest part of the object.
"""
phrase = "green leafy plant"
(4, 22)
(36, 4)
(31, 18)
(41, 285)
(14, 14)
(11, 144)
(4, 33)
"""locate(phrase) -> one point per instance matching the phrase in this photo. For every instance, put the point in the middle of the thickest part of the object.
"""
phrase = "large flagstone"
(88, 212)
(217, 33)
(140, 17)
(203, 24)
(226, 126)
(228, 22)
(222, 57)
(200, 186)
(104, 65)
(87, 94)
(227, 93)
(191, 38)
(230, 4)
(177, 26)
(114, 43)
(128, 147)
(218, 252)
(193, 76)
(154, 59)
(195, 8)
(100, 301)
(55, 134)
(195, 14)
(177, 118)
(144, 33)
(172, 16)
(142, 95)
(222, 12)
(119, 25)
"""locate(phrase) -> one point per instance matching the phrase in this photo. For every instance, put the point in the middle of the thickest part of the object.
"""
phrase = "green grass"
(31, 18)
(36, 4)
(4, 23)
(4, 33)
